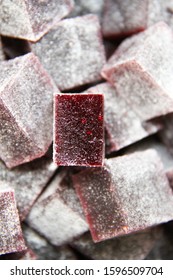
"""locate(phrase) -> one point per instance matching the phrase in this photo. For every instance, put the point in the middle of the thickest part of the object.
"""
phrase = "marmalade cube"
(79, 130)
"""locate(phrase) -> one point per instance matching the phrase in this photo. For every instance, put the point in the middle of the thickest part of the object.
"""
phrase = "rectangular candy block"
(26, 110)
(73, 52)
(128, 194)
(30, 19)
(79, 130)
(11, 239)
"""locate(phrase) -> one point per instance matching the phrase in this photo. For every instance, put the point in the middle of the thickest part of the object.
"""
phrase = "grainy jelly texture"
(130, 193)
(73, 52)
(30, 19)
(26, 97)
(79, 130)
(11, 239)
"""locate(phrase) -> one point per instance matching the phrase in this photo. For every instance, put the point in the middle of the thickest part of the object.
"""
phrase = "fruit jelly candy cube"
(134, 246)
(78, 135)
(128, 194)
(142, 68)
(122, 18)
(11, 239)
(30, 19)
(43, 249)
(26, 97)
(55, 217)
(123, 125)
(73, 52)
(28, 181)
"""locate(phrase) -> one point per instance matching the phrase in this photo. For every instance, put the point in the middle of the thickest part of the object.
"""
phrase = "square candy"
(11, 239)
(56, 214)
(122, 18)
(26, 110)
(128, 194)
(73, 52)
(79, 130)
(83, 7)
(123, 125)
(29, 19)
(142, 68)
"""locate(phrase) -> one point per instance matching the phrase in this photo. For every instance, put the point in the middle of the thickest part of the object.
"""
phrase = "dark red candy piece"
(128, 194)
(31, 19)
(11, 239)
(79, 131)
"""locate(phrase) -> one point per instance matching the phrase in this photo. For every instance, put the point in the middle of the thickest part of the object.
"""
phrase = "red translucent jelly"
(79, 131)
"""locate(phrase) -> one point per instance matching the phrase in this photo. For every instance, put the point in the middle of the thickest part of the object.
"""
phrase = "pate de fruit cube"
(11, 239)
(26, 106)
(123, 125)
(83, 7)
(134, 246)
(141, 69)
(128, 194)
(56, 214)
(30, 19)
(79, 129)
(124, 17)
(28, 181)
(73, 52)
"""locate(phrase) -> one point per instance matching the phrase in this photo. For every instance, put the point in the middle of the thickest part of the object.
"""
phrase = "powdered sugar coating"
(124, 17)
(73, 52)
(30, 19)
(28, 180)
(130, 193)
(122, 124)
(141, 69)
(78, 129)
(26, 97)
(54, 218)
(130, 247)
(11, 239)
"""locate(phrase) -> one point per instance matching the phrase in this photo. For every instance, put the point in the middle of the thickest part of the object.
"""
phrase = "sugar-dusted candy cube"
(26, 106)
(123, 125)
(124, 17)
(28, 181)
(142, 69)
(11, 239)
(56, 215)
(73, 52)
(128, 194)
(43, 249)
(29, 19)
(129, 247)
(79, 130)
